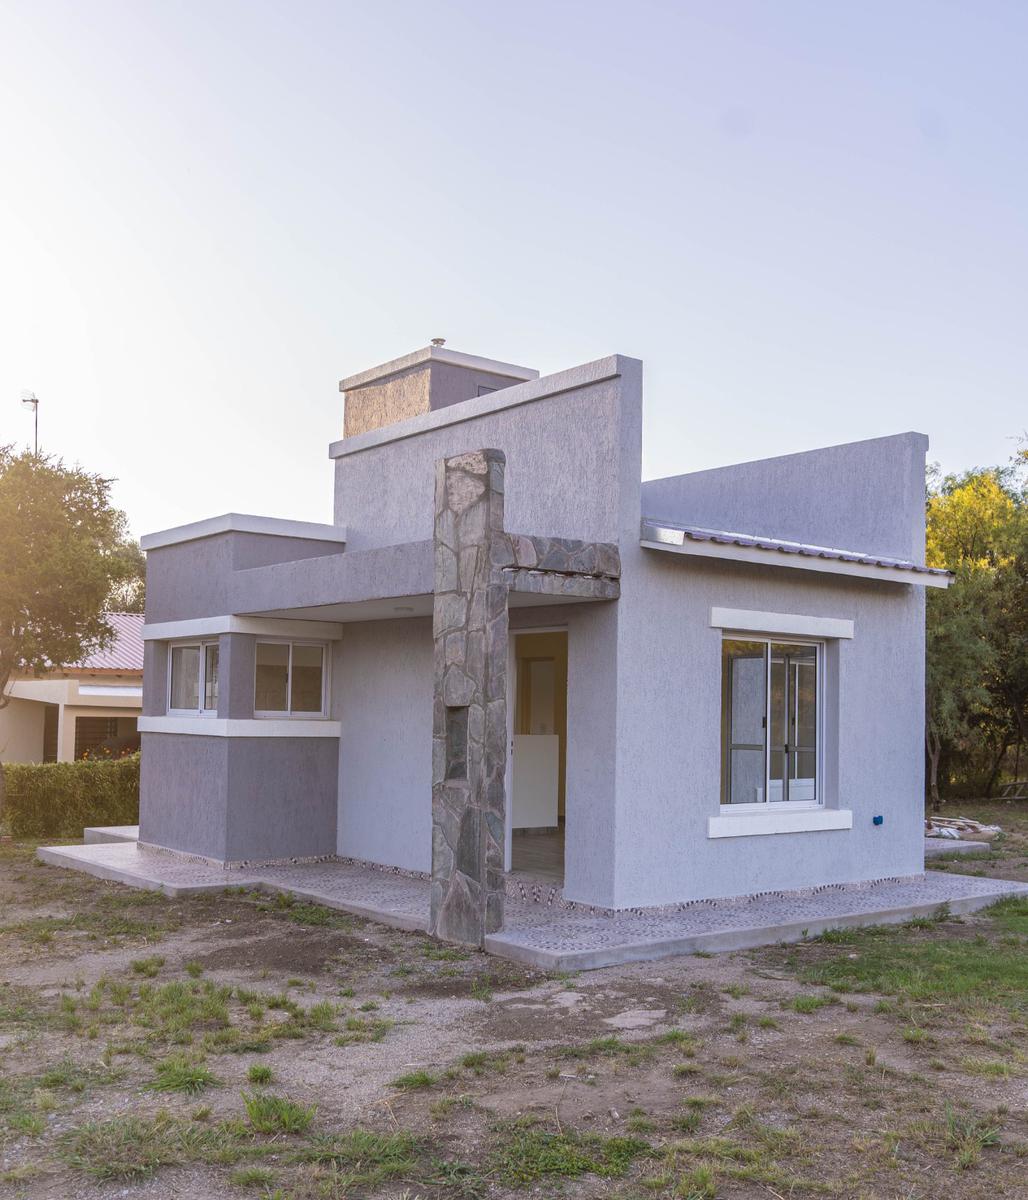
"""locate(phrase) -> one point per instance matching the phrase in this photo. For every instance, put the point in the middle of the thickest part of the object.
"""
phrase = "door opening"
(539, 754)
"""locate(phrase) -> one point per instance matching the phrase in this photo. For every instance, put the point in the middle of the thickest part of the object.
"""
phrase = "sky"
(808, 220)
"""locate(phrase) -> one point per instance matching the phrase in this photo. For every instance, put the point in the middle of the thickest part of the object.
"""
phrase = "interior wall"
(544, 646)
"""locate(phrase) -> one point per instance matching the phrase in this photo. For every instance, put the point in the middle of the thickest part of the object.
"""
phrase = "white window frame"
(773, 806)
(201, 645)
(287, 714)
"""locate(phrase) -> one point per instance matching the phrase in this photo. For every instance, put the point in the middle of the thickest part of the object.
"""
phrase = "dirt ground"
(237, 1045)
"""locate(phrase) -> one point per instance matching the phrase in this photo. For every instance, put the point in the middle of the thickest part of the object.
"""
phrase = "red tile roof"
(125, 653)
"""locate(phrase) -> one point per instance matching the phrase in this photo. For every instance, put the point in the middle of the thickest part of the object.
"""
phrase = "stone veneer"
(477, 564)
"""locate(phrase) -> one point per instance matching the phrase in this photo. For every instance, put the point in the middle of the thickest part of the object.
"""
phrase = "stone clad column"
(469, 733)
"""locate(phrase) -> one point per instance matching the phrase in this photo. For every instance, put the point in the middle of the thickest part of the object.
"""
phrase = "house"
(81, 708)
(508, 657)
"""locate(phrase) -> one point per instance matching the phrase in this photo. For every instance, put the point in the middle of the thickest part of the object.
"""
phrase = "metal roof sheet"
(661, 531)
(125, 653)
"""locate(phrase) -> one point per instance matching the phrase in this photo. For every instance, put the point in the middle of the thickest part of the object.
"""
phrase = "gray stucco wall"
(194, 579)
(235, 799)
(281, 797)
(668, 732)
(382, 678)
(183, 793)
(565, 464)
(860, 496)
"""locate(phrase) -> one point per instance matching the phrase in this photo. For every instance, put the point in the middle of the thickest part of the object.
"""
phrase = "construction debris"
(957, 828)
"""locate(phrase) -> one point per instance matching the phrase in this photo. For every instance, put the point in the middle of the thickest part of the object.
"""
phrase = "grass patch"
(259, 1073)
(150, 967)
(253, 1177)
(276, 1114)
(368, 1158)
(987, 1068)
(415, 1080)
(360, 1029)
(179, 1074)
(920, 966)
(527, 1154)
(132, 1148)
(809, 1003)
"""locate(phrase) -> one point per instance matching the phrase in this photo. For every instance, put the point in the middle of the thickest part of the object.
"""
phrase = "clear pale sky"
(810, 220)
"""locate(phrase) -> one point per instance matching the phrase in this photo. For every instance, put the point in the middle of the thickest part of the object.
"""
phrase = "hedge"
(58, 800)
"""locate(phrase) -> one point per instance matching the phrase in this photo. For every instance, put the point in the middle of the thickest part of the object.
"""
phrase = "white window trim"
(798, 820)
(784, 806)
(241, 727)
(204, 714)
(272, 714)
(780, 625)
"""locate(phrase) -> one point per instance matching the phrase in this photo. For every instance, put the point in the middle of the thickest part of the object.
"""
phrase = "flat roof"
(440, 354)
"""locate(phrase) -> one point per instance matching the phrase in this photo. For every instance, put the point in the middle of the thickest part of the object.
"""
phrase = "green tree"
(129, 593)
(61, 558)
(977, 642)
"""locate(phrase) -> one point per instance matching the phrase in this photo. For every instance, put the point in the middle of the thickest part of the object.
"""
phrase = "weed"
(150, 967)
(179, 1074)
(988, 1068)
(967, 1137)
(525, 1154)
(809, 1003)
(276, 1114)
(367, 1158)
(415, 1081)
(361, 1030)
(253, 1177)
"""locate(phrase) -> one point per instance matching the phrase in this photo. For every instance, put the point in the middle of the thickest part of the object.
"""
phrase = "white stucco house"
(81, 708)
(509, 665)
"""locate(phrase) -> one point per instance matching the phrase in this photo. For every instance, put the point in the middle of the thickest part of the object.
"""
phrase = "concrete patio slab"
(934, 847)
(553, 937)
(95, 834)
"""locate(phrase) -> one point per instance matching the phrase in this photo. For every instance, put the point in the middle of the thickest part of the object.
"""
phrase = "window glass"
(271, 692)
(306, 682)
(743, 714)
(210, 677)
(185, 677)
(769, 722)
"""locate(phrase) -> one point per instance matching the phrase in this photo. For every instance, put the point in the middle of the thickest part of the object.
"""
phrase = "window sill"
(803, 820)
(257, 727)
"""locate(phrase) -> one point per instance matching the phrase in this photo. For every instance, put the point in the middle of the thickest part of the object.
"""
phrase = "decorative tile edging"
(524, 889)
(242, 864)
(253, 864)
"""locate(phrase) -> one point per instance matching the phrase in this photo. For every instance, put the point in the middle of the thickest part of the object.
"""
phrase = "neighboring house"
(508, 653)
(80, 709)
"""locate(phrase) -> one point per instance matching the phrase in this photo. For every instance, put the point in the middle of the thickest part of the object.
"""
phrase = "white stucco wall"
(21, 732)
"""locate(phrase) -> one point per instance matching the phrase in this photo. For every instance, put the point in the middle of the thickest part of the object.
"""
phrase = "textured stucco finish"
(382, 677)
(564, 462)
(195, 578)
(417, 389)
(239, 799)
(866, 496)
(183, 793)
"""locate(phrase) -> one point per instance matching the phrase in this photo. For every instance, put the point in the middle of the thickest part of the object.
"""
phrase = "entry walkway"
(550, 936)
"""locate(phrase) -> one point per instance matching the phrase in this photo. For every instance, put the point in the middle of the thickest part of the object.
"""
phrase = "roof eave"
(657, 538)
